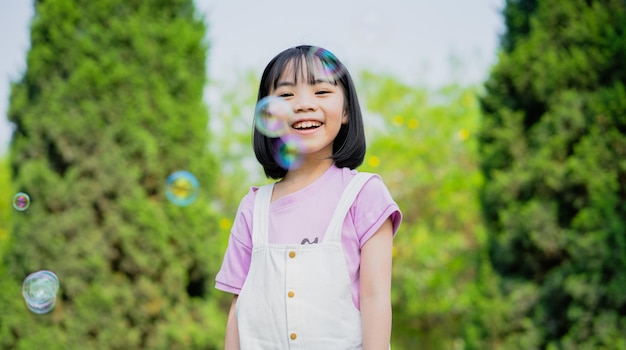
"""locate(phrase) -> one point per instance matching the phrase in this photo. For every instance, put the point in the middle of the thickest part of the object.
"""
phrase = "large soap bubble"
(40, 291)
(271, 116)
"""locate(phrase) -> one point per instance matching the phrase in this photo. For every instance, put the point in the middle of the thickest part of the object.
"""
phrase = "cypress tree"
(553, 151)
(110, 104)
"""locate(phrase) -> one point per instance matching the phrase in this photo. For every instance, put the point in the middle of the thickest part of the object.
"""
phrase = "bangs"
(313, 64)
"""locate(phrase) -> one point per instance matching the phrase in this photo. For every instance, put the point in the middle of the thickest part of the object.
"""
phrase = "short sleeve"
(237, 257)
(372, 207)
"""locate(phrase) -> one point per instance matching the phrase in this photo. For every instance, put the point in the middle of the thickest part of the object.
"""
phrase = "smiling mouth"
(306, 125)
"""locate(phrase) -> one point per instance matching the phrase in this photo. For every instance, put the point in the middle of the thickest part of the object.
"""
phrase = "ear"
(344, 118)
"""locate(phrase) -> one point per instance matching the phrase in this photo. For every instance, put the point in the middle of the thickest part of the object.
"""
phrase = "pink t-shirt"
(302, 217)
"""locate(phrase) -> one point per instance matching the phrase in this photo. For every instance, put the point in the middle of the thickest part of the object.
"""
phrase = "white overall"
(299, 296)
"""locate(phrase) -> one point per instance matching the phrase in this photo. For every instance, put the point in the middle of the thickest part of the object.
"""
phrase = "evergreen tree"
(553, 148)
(110, 104)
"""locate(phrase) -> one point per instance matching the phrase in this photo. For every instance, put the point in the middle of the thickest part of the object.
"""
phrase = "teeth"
(306, 124)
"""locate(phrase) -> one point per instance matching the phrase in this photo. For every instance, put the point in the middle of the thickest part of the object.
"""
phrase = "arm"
(232, 332)
(375, 289)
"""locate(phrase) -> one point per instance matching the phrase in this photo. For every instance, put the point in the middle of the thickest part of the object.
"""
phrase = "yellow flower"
(413, 124)
(463, 134)
(373, 161)
(225, 224)
(398, 120)
(467, 100)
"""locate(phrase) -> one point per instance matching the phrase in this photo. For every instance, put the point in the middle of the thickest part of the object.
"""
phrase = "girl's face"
(318, 108)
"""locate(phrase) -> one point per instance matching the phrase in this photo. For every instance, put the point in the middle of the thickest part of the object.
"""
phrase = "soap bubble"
(21, 201)
(181, 188)
(325, 63)
(289, 152)
(40, 291)
(271, 116)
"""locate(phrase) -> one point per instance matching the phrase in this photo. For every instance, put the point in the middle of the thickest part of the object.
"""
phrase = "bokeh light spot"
(373, 161)
(463, 134)
(413, 123)
(225, 223)
(398, 120)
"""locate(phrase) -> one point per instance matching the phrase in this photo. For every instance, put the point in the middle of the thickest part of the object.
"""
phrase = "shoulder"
(374, 186)
(375, 189)
(245, 211)
(247, 202)
(373, 205)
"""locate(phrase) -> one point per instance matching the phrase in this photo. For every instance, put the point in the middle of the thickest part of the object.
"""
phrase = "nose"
(305, 105)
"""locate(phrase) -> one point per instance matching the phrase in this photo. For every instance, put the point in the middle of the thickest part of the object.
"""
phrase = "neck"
(297, 179)
(308, 171)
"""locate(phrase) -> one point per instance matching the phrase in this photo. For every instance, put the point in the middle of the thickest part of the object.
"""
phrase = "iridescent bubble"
(271, 116)
(289, 152)
(181, 188)
(21, 201)
(40, 291)
(325, 63)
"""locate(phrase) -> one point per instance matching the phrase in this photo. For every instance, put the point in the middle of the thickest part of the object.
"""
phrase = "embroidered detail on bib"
(306, 241)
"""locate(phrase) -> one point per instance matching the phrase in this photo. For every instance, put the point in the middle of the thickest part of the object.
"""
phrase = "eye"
(322, 92)
(285, 94)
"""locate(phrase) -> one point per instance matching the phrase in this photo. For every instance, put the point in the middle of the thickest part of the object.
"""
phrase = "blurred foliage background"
(513, 192)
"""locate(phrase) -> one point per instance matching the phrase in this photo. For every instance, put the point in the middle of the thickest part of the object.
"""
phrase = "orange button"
(293, 336)
(292, 254)
(291, 294)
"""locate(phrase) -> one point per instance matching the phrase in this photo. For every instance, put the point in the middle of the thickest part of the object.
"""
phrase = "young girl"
(309, 256)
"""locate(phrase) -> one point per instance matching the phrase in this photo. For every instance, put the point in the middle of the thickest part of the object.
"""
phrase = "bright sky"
(425, 43)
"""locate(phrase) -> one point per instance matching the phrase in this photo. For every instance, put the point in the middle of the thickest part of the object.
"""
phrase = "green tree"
(233, 111)
(516, 16)
(5, 204)
(423, 144)
(553, 150)
(111, 104)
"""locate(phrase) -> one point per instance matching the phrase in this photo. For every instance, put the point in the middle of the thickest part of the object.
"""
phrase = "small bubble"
(21, 201)
(325, 63)
(289, 152)
(271, 116)
(39, 290)
(181, 188)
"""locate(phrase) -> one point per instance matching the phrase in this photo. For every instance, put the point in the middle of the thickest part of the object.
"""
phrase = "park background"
(513, 188)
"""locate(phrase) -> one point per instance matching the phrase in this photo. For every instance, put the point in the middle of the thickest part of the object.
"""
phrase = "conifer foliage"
(553, 153)
(109, 105)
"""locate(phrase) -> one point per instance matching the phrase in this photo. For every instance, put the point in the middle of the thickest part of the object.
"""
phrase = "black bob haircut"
(349, 145)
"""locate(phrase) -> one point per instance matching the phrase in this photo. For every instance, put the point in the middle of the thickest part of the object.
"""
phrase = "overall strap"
(260, 216)
(333, 233)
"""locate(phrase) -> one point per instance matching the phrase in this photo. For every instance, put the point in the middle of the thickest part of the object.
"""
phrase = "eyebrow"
(291, 83)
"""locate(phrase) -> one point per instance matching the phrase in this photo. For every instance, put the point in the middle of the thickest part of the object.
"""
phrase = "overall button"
(293, 336)
(292, 254)
(291, 294)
